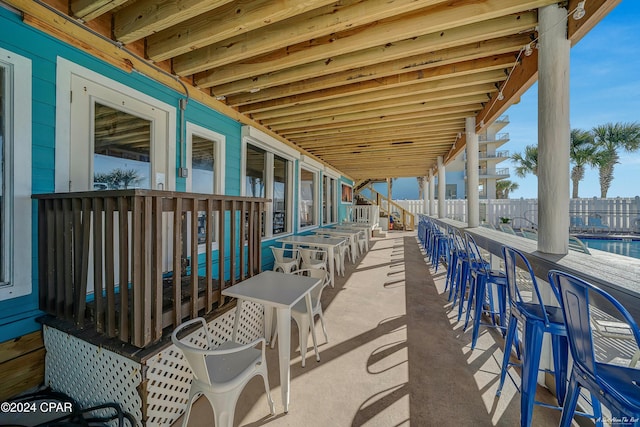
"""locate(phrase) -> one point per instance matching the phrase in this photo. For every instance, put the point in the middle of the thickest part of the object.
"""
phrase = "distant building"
(489, 142)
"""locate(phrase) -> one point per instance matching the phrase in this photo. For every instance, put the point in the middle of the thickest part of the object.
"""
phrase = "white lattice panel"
(91, 375)
(169, 376)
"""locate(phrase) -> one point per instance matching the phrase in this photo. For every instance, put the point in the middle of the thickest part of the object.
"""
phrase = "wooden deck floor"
(396, 357)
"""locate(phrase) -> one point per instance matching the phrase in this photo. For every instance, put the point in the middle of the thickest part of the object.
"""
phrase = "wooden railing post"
(122, 231)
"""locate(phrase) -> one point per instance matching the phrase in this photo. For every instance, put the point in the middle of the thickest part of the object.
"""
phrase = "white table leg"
(332, 270)
(353, 241)
(284, 352)
(307, 298)
(268, 323)
(236, 321)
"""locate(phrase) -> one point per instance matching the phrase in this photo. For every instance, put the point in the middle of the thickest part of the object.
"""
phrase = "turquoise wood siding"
(17, 316)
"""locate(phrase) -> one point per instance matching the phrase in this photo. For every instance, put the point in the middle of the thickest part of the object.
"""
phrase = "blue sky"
(605, 87)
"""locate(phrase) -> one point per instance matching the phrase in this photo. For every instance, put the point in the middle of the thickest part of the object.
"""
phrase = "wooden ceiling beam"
(356, 137)
(422, 45)
(381, 169)
(394, 152)
(230, 21)
(332, 19)
(372, 98)
(595, 10)
(385, 141)
(382, 128)
(425, 65)
(399, 81)
(526, 73)
(420, 101)
(88, 10)
(145, 17)
(424, 115)
(376, 115)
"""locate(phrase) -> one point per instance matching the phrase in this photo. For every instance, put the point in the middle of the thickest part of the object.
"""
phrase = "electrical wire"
(517, 61)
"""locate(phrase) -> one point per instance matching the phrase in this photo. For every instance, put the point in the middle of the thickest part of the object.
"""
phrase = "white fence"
(366, 214)
(618, 215)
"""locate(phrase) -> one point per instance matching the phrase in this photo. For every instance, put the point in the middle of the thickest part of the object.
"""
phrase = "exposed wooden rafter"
(371, 88)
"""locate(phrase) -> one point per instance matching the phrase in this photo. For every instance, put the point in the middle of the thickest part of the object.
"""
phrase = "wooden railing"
(126, 263)
(388, 207)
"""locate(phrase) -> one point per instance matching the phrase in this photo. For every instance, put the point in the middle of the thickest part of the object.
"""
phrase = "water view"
(626, 247)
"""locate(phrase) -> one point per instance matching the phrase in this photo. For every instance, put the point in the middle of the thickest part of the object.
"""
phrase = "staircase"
(402, 219)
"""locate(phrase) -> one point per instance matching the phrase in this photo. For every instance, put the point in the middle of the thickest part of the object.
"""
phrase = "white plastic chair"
(284, 263)
(301, 316)
(221, 373)
(362, 242)
(313, 258)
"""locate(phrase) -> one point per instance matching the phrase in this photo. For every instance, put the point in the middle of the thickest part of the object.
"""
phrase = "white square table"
(350, 235)
(329, 243)
(280, 291)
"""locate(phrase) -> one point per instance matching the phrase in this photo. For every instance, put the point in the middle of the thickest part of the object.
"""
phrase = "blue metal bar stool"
(462, 271)
(617, 387)
(537, 319)
(452, 261)
(481, 279)
(440, 246)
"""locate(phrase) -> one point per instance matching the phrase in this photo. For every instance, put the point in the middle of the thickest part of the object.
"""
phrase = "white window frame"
(17, 280)
(65, 71)
(334, 178)
(259, 139)
(315, 168)
(219, 150)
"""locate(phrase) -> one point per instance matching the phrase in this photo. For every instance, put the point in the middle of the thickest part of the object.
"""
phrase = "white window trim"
(219, 149)
(18, 167)
(65, 70)
(334, 201)
(314, 167)
(272, 147)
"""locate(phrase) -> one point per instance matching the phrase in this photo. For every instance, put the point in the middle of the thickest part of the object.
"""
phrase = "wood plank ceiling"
(375, 88)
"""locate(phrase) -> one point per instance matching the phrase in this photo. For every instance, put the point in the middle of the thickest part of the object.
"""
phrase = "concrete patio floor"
(396, 357)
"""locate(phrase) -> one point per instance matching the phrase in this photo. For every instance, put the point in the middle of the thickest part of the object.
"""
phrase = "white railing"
(615, 215)
(366, 214)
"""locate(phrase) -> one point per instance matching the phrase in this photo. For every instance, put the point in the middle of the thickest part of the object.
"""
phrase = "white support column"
(553, 131)
(432, 193)
(425, 195)
(442, 186)
(473, 177)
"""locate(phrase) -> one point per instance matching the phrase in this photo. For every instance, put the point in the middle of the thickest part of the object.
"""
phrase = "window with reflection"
(280, 191)
(203, 177)
(122, 150)
(15, 176)
(307, 198)
(255, 177)
(255, 180)
(202, 165)
(329, 205)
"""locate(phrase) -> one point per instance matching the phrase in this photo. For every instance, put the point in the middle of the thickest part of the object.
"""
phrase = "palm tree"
(526, 162)
(609, 139)
(581, 152)
(504, 187)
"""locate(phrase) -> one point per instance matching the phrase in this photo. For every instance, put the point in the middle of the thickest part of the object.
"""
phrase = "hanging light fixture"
(579, 13)
(500, 96)
(527, 49)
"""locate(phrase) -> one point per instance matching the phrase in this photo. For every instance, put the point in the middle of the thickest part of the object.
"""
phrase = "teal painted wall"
(17, 316)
